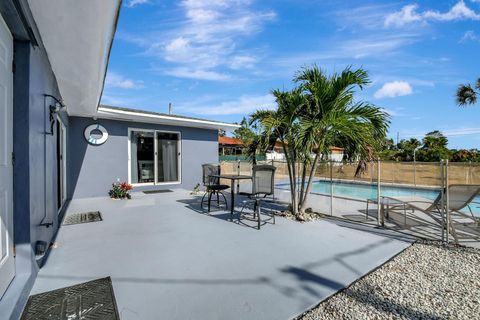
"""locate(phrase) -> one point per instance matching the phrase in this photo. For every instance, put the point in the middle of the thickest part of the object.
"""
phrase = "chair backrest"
(263, 179)
(460, 195)
(209, 170)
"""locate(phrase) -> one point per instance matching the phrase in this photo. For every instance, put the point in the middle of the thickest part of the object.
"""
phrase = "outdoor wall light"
(53, 110)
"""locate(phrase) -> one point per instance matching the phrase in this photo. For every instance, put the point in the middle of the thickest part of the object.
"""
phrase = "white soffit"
(158, 118)
(77, 35)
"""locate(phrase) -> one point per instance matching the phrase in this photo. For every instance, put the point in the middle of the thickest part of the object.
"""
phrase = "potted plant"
(120, 190)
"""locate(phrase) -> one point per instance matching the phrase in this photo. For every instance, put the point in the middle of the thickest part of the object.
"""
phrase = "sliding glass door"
(154, 156)
(167, 156)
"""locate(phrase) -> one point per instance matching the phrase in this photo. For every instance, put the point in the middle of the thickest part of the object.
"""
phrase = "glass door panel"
(167, 157)
(142, 157)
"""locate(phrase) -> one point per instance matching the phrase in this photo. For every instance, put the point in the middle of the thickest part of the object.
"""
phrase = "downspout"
(45, 133)
(52, 111)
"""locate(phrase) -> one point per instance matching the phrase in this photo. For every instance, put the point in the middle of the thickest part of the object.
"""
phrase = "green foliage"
(318, 113)
(467, 94)
(462, 155)
(120, 190)
(433, 148)
(406, 149)
(247, 133)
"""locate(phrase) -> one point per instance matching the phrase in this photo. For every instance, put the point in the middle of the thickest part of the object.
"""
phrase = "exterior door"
(7, 263)
(167, 157)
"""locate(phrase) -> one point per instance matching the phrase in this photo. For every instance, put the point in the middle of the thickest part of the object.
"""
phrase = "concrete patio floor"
(169, 260)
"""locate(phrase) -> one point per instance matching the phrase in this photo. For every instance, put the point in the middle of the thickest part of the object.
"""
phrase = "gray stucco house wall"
(92, 169)
(37, 83)
(35, 210)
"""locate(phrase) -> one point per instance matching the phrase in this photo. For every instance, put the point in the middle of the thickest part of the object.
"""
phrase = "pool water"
(366, 191)
(363, 192)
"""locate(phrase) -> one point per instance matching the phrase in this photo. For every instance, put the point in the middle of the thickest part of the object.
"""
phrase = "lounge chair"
(263, 185)
(461, 196)
(212, 184)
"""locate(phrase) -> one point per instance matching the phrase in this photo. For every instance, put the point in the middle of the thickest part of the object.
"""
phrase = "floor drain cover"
(89, 300)
(85, 217)
(157, 191)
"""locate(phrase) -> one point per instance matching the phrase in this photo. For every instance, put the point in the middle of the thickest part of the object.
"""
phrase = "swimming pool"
(361, 191)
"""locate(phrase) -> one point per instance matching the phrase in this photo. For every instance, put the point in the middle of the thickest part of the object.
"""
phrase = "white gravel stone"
(426, 281)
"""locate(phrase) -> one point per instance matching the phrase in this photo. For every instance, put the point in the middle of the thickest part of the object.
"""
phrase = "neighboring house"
(336, 153)
(56, 143)
(274, 155)
(229, 146)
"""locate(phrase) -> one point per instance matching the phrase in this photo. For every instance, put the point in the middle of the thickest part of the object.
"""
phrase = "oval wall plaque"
(96, 134)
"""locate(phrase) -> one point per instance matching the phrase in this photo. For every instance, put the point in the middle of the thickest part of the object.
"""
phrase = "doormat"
(157, 191)
(84, 217)
(89, 300)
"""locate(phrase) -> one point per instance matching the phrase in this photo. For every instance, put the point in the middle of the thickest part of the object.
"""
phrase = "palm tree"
(281, 125)
(334, 118)
(319, 113)
(466, 94)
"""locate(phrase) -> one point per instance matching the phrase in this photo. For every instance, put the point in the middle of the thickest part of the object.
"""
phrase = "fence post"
(238, 173)
(442, 196)
(447, 206)
(371, 171)
(468, 172)
(331, 188)
(380, 221)
(414, 172)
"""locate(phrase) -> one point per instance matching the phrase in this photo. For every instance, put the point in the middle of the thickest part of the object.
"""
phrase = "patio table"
(233, 178)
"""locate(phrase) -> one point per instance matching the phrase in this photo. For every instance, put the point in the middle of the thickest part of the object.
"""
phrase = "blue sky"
(220, 59)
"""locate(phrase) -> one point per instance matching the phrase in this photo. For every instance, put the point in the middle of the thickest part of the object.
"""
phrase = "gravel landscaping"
(426, 281)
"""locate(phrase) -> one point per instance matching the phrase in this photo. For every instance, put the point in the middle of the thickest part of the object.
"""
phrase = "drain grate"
(89, 300)
(84, 217)
(157, 191)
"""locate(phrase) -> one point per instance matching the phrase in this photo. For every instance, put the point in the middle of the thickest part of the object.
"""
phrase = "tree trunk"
(295, 204)
(292, 181)
(304, 174)
(304, 198)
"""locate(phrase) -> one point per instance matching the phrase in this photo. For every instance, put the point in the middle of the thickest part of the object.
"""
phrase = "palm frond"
(466, 95)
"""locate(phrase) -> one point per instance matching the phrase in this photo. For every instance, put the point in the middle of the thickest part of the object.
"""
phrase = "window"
(154, 156)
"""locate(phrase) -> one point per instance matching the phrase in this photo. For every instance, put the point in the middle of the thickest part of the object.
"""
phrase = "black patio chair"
(212, 184)
(263, 185)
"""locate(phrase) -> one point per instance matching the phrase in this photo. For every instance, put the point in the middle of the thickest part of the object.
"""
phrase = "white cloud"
(470, 36)
(409, 14)
(370, 46)
(208, 39)
(455, 132)
(242, 62)
(243, 105)
(115, 80)
(394, 89)
(134, 3)
(375, 46)
(197, 74)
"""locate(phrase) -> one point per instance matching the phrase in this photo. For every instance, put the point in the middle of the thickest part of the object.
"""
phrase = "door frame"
(155, 158)
(63, 174)
(8, 261)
